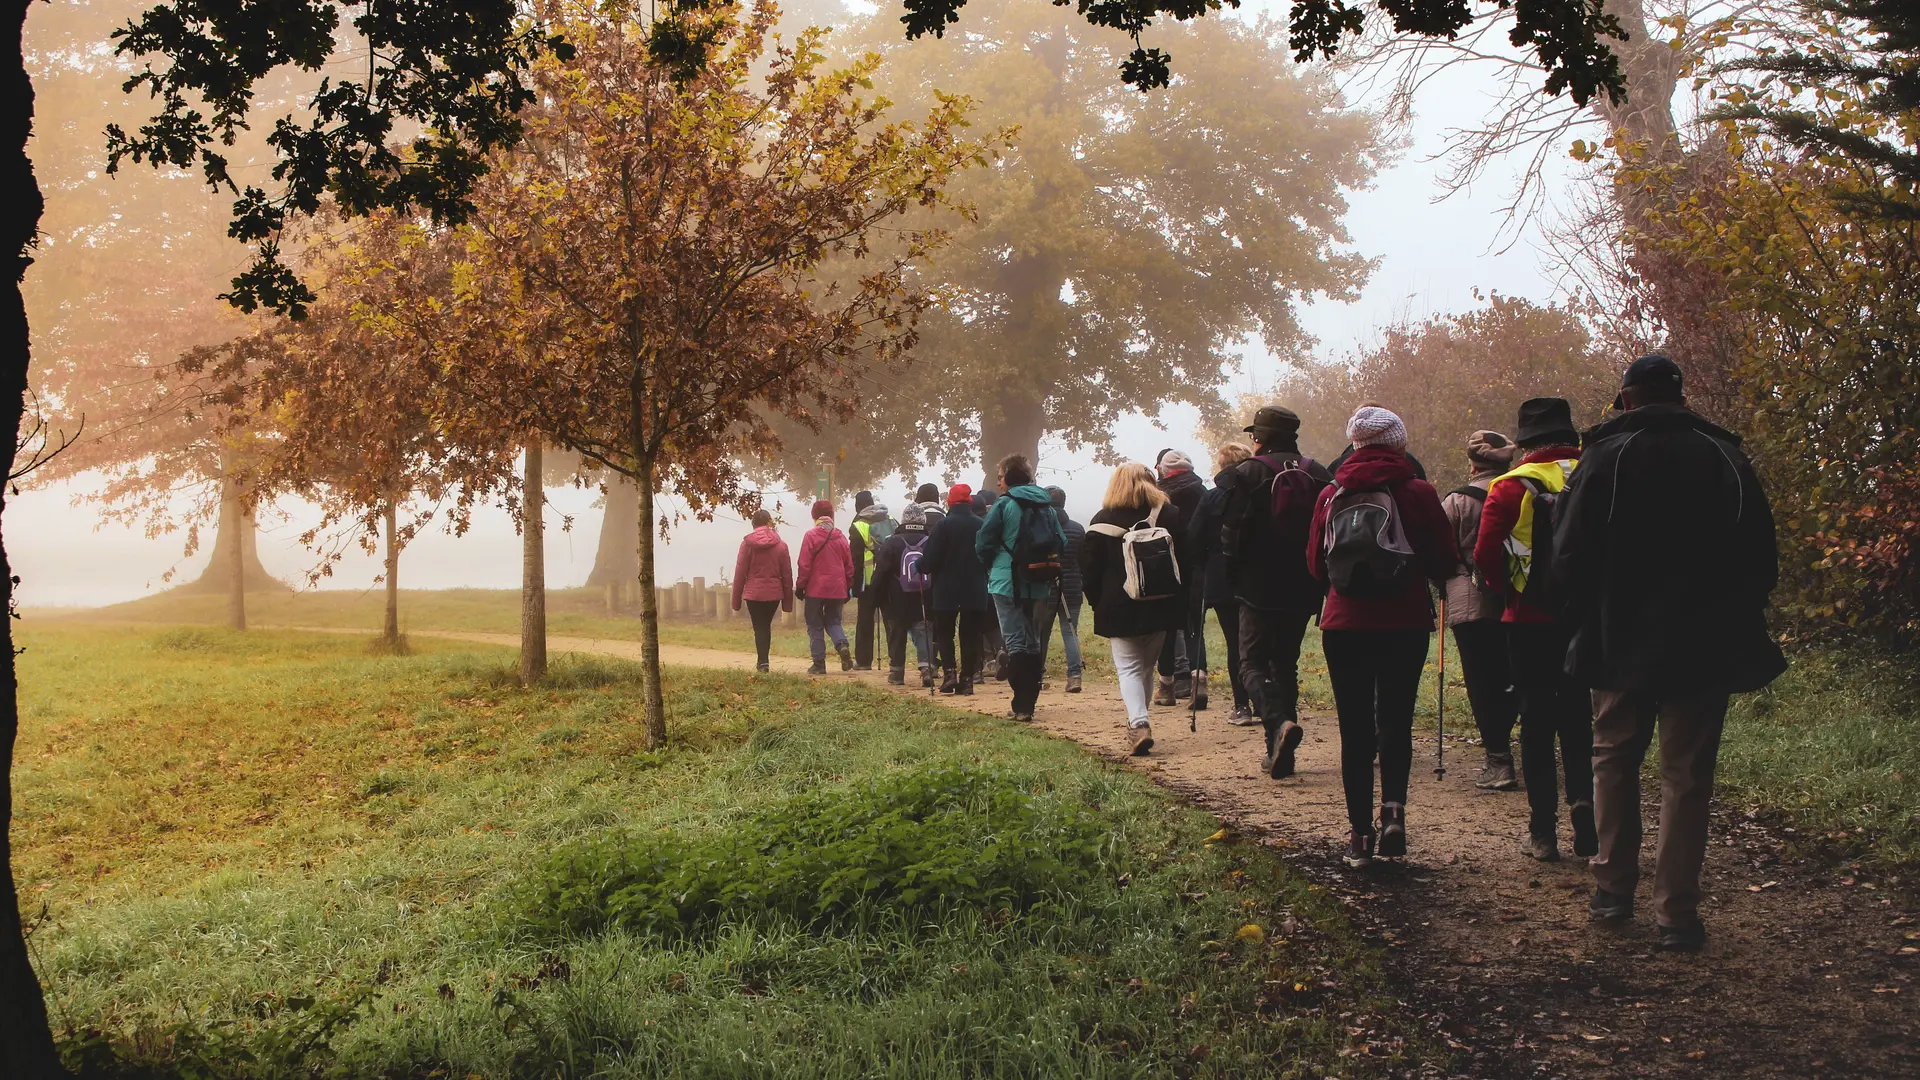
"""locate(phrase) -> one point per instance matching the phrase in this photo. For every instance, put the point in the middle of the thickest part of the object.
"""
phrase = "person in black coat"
(960, 600)
(1215, 584)
(1663, 557)
(1064, 605)
(909, 613)
(1134, 628)
(1185, 651)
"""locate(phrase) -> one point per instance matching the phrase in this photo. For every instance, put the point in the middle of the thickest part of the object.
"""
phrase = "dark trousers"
(1229, 616)
(899, 629)
(865, 611)
(762, 613)
(972, 626)
(1489, 677)
(1553, 708)
(1185, 651)
(1270, 660)
(1376, 679)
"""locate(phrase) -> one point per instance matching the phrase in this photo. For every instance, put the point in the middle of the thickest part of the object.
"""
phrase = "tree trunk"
(650, 613)
(391, 631)
(533, 570)
(1013, 424)
(236, 534)
(26, 1043)
(233, 521)
(616, 562)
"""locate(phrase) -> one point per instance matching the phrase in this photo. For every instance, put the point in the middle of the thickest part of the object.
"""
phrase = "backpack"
(1539, 588)
(1479, 495)
(912, 579)
(1153, 570)
(1367, 551)
(1288, 496)
(1036, 543)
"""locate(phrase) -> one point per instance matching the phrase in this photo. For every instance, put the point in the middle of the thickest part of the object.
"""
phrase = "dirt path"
(1810, 971)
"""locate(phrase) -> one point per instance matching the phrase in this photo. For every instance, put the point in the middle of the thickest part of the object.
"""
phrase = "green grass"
(278, 845)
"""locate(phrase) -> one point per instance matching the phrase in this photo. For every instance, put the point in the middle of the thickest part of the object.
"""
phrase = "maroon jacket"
(826, 563)
(764, 570)
(1497, 519)
(1378, 468)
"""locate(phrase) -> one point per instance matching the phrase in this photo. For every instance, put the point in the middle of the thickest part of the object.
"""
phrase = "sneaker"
(1139, 740)
(1073, 684)
(897, 677)
(846, 657)
(1359, 851)
(1393, 831)
(1281, 743)
(1606, 907)
(761, 668)
(1242, 717)
(1182, 686)
(1020, 717)
(1165, 694)
(1498, 775)
(1689, 938)
(819, 668)
(1544, 847)
(1586, 841)
(1199, 691)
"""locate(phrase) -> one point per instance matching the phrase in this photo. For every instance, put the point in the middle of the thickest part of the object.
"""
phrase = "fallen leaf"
(1251, 932)
(1696, 1055)
(1593, 1038)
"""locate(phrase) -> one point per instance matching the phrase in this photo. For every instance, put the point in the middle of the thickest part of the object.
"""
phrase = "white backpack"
(1153, 571)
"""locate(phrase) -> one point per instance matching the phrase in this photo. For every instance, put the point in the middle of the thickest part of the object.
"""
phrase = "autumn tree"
(652, 246)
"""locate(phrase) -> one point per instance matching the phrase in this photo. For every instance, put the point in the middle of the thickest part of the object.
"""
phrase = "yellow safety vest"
(1551, 475)
(866, 552)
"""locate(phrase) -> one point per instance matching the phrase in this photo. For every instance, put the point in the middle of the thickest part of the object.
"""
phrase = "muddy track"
(1810, 970)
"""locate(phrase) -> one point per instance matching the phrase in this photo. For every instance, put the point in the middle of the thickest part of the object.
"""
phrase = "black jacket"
(1203, 541)
(1071, 589)
(1267, 566)
(885, 590)
(959, 581)
(1185, 488)
(1103, 570)
(1664, 556)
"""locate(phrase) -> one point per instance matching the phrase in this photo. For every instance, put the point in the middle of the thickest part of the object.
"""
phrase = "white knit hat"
(1374, 426)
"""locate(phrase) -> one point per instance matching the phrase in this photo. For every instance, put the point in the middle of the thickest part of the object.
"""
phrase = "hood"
(1223, 477)
(931, 506)
(763, 537)
(1373, 467)
(1661, 417)
(873, 514)
(1180, 481)
(1032, 493)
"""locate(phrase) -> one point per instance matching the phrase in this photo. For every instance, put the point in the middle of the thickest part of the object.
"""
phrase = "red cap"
(958, 494)
(822, 509)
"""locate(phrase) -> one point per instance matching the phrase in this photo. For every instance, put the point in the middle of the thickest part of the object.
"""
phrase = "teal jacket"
(994, 544)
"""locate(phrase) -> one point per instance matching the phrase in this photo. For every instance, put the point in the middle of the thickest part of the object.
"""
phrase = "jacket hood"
(873, 513)
(763, 537)
(1032, 493)
(1180, 481)
(1662, 417)
(1223, 477)
(1374, 467)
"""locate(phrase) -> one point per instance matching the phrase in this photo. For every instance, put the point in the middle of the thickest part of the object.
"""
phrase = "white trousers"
(1134, 660)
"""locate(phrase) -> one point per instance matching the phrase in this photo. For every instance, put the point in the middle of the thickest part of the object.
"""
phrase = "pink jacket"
(826, 563)
(764, 570)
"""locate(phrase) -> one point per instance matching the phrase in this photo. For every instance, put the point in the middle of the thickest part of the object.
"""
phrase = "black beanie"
(862, 500)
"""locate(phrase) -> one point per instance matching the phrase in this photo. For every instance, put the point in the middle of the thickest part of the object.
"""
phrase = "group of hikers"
(1600, 586)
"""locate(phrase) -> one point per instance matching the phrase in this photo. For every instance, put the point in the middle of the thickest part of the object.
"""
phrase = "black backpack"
(1538, 564)
(1036, 544)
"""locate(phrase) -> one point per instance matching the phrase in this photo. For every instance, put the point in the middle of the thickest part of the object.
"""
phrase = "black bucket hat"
(1546, 421)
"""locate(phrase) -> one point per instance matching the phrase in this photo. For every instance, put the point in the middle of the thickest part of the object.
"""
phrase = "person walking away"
(1419, 470)
(1263, 535)
(1665, 551)
(901, 589)
(763, 579)
(1515, 526)
(826, 578)
(1378, 536)
(1065, 607)
(960, 601)
(927, 498)
(1214, 585)
(1131, 568)
(993, 651)
(1183, 654)
(1021, 545)
(1474, 609)
(870, 528)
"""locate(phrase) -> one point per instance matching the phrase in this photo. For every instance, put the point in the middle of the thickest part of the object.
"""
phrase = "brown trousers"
(1623, 726)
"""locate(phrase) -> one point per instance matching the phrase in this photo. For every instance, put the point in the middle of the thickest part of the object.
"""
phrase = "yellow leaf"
(1251, 932)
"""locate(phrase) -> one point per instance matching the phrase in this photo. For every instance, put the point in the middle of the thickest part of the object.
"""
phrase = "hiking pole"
(1440, 697)
(1193, 713)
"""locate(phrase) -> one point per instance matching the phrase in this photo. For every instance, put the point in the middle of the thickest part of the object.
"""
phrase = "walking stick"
(1193, 714)
(1440, 697)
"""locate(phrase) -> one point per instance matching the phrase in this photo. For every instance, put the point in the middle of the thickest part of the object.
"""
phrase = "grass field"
(273, 854)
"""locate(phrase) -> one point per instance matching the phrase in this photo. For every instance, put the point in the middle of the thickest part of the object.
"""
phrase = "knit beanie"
(959, 493)
(1374, 426)
(1174, 461)
(927, 493)
(822, 509)
(914, 516)
(862, 500)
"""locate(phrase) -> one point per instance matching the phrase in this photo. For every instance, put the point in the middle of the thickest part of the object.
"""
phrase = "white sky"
(1431, 257)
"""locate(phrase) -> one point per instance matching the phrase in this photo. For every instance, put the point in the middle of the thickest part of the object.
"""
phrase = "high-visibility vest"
(1550, 475)
(867, 558)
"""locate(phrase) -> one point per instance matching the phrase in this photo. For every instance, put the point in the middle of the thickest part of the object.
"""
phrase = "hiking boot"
(1359, 851)
(1020, 717)
(949, 682)
(1606, 907)
(1689, 938)
(863, 667)
(846, 657)
(897, 677)
(1282, 740)
(1182, 686)
(926, 676)
(1073, 684)
(965, 690)
(819, 668)
(1393, 831)
(1242, 717)
(1165, 694)
(1586, 841)
(762, 668)
(1544, 847)
(1139, 740)
(1498, 775)
(999, 667)
(1199, 690)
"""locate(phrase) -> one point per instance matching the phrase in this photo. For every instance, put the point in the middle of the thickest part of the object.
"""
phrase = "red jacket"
(826, 563)
(764, 570)
(1378, 468)
(1497, 519)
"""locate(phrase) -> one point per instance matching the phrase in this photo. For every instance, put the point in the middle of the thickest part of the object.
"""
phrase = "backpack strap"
(1477, 494)
(1105, 529)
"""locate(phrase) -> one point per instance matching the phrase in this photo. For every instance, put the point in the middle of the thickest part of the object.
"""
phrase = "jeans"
(1229, 616)
(1376, 680)
(1068, 614)
(1017, 623)
(1133, 662)
(1690, 729)
(823, 618)
(1489, 678)
(1553, 708)
(1270, 660)
(972, 627)
(762, 613)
